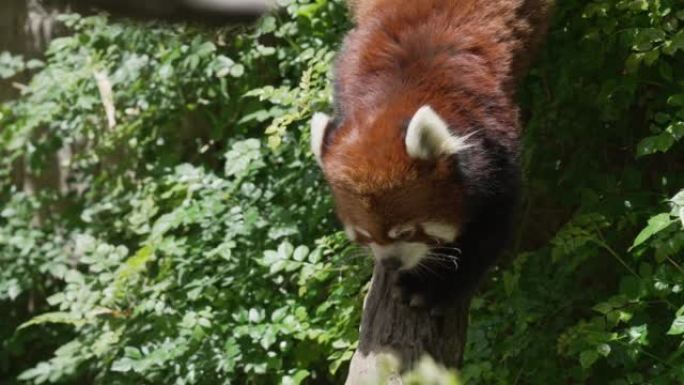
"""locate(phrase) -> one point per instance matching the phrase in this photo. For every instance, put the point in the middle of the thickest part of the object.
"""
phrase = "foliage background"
(193, 241)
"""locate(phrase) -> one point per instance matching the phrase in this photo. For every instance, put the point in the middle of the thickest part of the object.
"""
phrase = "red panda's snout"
(400, 255)
(394, 184)
(404, 246)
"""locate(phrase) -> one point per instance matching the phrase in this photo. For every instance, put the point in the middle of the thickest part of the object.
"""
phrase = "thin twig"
(107, 97)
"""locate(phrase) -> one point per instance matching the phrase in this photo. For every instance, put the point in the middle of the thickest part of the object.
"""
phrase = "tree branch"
(395, 337)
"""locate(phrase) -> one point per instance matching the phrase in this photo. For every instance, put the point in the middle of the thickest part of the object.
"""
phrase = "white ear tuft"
(428, 136)
(319, 125)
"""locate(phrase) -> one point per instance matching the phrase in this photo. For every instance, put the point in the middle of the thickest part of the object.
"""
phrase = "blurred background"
(162, 220)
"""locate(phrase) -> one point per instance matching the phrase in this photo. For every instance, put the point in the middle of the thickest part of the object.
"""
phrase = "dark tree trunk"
(391, 331)
(12, 37)
(26, 29)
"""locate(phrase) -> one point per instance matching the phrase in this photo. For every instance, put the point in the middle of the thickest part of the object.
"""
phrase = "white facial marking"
(351, 234)
(409, 253)
(428, 136)
(401, 231)
(442, 231)
(363, 232)
(319, 124)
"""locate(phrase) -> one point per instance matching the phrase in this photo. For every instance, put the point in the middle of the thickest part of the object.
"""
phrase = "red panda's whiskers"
(420, 271)
(444, 255)
(438, 260)
(445, 258)
(448, 249)
(424, 268)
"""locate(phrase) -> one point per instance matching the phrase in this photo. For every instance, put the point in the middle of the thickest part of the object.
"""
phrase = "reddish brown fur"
(513, 27)
(461, 57)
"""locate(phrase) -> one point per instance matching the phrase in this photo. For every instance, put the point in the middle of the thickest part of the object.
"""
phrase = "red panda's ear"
(319, 125)
(428, 136)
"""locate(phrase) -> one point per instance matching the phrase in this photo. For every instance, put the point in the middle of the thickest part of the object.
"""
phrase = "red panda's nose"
(391, 263)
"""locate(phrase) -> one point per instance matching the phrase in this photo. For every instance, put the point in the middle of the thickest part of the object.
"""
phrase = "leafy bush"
(190, 240)
(593, 296)
(182, 238)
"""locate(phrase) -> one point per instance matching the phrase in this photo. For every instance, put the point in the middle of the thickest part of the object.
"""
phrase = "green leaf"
(243, 157)
(300, 376)
(222, 66)
(604, 350)
(122, 365)
(677, 42)
(285, 250)
(588, 358)
(35, 64)
(238, 70)
(638, 334)
(677, 327)
(55, 317)
(678, 206)
(131, 268)
(676, 100)
(40, 373)
(676, 129)
(654, 144)
(678, 199)
(300, 253)
(656, 224)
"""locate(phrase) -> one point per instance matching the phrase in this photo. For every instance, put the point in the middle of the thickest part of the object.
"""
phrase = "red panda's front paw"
(407, 298)
(400, 294)
(413, 292)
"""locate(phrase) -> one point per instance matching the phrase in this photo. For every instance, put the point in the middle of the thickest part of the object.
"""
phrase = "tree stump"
(393, 332)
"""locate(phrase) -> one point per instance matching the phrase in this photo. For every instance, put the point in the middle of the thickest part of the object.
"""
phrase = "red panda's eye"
(358, 235)
(363, 237)
(402, 233)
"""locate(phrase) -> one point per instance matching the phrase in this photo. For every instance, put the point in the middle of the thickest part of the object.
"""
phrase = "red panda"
(422, 152)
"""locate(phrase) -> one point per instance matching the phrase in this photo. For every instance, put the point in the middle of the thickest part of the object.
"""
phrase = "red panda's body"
(422, 155)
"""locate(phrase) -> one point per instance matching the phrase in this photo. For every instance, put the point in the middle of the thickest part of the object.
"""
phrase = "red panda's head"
(394, 181)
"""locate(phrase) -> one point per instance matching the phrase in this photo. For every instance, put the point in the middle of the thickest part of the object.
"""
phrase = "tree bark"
(12, 37)
(26, 29)
(395, 336)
